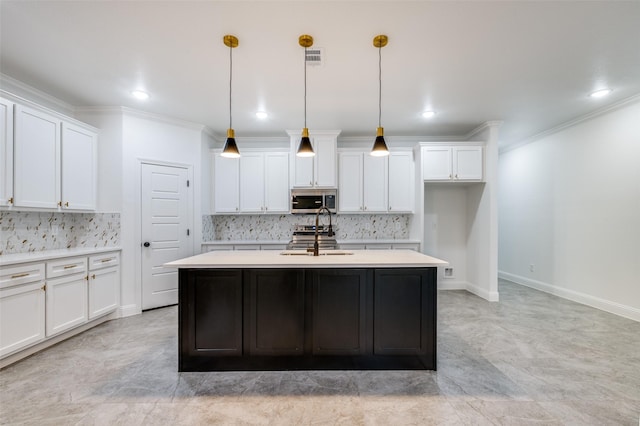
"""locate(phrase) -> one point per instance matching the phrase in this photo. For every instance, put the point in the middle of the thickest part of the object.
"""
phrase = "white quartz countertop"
(39, 256)
(299, 259)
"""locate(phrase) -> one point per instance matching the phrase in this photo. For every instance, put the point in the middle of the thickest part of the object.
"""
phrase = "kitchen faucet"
(316, 247)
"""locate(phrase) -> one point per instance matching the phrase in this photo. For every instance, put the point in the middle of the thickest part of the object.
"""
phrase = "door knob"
(147, 244)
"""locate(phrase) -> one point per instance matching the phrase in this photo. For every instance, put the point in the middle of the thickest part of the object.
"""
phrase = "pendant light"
(230, 149)
(379, 146)
(305, 149)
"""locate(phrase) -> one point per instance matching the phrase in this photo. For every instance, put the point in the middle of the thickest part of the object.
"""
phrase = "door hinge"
(187, 183)
(187, 232)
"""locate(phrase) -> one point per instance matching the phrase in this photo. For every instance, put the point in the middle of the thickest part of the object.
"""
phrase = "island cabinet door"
(404, 312)
(339, 311)
(211, 312)
(275, 311)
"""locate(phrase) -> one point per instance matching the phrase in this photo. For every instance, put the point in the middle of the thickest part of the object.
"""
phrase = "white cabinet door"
(375, 183)
(467, 163)
(6, 152)
(320, 170)
(276, 182)
(252, 182)
(436, 163)
(66, 303)
(37, 159)
(401, 182)
(303, 175)
(350, 182)
(325, 161)
(79, 168)
(22, 320)
(103, 291)
(226, 184)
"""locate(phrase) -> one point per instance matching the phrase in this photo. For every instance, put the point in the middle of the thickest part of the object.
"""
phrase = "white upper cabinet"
(370, 184)
(467, 163)
(276, 182)
(257, 182)
(6, 152)
(452, 163)
(252, 182)
(79, 167)
(375, 183)
(54, 162)
(319, 171)
(36, 159)
(401, 182)
(351, 173)
(226, 184)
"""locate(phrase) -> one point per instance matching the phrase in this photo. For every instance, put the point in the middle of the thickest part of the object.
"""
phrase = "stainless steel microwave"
(310, 200)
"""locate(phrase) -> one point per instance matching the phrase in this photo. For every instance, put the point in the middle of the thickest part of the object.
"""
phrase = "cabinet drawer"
(67, 266)
(105, 260)
(21, 274)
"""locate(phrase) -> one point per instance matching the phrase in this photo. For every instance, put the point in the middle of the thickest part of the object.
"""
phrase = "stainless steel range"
(304, 236)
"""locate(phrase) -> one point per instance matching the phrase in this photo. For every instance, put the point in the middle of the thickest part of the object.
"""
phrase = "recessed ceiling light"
(139, 94)
(262, 115)
(428, 114)
(600, 93)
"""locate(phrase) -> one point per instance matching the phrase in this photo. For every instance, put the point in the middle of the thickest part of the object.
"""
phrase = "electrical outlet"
(532, 268)
(448, 273)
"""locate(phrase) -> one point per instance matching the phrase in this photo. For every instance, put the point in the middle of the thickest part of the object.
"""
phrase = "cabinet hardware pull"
(456, 176)
(66, 204)
(105, 260)
(59, 203)
(69, 266)
(449, 176)
(93, 276)
(43, 288)
(11, 200)
(19, 275)
(86, 278)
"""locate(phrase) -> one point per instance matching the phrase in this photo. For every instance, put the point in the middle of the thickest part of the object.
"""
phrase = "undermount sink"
(322, 253)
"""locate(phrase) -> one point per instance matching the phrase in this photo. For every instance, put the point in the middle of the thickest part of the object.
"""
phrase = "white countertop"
(369, 241)
(274, 259)
(39, 256)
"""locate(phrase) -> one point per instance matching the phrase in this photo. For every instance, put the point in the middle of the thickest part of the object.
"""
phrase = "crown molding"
(586, 117)
(132, 112)
(9, 85)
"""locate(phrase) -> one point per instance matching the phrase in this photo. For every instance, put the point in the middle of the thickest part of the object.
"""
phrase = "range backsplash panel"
(280, 227)
(23, 232)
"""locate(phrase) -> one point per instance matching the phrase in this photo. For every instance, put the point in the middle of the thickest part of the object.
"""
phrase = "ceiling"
(528, 64)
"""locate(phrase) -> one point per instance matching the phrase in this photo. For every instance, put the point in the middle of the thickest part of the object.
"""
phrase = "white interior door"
(165, 217)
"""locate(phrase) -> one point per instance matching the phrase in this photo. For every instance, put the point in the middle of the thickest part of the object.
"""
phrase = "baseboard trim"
(575, 296)
(491, 296)
(129, 310)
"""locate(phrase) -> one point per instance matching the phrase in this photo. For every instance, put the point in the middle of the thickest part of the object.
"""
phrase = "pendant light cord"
(230, 78)
(305, 87)
(379, 85)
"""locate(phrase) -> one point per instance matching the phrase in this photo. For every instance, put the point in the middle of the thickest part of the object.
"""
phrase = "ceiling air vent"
(314, 56)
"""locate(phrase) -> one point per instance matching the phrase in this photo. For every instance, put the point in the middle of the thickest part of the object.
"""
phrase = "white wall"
(569, 205)
(153, 140)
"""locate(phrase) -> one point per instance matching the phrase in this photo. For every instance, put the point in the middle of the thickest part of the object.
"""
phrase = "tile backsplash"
(22, 232)
(280, 227)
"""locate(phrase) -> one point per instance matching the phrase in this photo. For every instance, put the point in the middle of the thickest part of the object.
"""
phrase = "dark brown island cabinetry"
(291, 319)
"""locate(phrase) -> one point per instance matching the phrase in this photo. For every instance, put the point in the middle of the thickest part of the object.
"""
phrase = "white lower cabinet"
(104, 284)
(66, 303)
(22, 307)
(44, 299)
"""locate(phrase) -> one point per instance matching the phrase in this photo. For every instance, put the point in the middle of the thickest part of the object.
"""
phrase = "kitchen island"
(266, 310)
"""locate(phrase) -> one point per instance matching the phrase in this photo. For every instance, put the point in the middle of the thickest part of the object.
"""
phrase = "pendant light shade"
(379, 146)
(230, 149)
(305, 149)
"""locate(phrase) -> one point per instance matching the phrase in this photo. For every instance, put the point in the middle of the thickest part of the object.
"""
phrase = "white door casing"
(165, 213)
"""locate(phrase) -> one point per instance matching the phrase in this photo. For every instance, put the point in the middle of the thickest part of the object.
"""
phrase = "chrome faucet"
(316, 246)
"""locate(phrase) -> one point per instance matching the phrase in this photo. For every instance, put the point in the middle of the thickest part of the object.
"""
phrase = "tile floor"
(531, 359)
